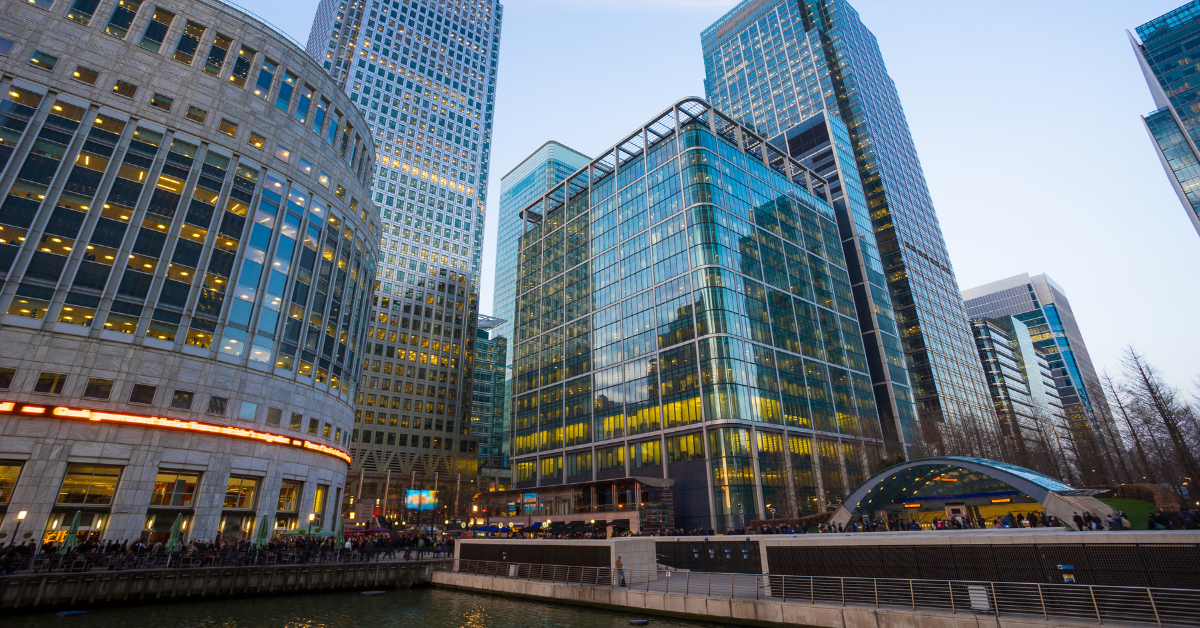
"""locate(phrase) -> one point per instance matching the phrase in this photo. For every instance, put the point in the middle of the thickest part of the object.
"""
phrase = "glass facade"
(487, 404)
(1034, 428)
(423, 74)
(1042, 306)
(689, 287)
(810, 75)
(1166, 48)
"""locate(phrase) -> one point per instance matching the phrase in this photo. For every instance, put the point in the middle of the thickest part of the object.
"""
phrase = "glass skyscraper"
(548, 166)
(810, 75)
(1166, 53)
(1035, 429)
(684, 313)
(1042, 305)
(423, 73)
(487, 404)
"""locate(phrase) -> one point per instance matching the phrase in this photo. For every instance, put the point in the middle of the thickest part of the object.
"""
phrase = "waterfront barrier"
(826, 601)
(60, 591)
(82, 563)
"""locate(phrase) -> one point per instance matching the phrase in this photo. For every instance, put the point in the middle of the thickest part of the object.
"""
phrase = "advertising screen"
(420, 500)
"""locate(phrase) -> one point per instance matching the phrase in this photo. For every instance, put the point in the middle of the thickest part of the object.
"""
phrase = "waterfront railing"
(79, 563)
(1080, 602)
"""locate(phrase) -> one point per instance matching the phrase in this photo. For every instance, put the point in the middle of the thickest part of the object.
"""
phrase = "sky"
(1026, 119)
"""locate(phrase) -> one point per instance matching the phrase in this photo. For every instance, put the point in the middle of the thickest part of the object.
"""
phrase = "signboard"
(364, 509)
(420, 500)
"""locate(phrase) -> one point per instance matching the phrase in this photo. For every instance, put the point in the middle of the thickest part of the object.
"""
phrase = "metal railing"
(1102, 604)
(80, 563)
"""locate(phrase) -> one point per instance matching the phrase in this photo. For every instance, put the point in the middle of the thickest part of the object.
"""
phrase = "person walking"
(1188, 519)
(1079, 525)
(620, 572)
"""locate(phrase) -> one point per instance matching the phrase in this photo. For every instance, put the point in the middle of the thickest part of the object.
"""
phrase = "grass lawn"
(1138, 512)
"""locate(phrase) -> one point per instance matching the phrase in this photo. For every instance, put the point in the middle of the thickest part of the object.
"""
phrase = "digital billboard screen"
(420, 500)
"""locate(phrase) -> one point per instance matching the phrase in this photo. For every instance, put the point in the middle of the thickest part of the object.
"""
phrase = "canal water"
(406, 608)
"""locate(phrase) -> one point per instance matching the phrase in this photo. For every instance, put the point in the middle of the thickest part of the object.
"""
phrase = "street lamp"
(20, 517)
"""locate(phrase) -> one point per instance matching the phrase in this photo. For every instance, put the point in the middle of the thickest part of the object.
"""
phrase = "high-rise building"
(1035, 429)
(423, 74)
(548, 166)
(685, 324)
(487, 404)
(1042, 305)
(1165, 48)
(810, 75)
(186, 251)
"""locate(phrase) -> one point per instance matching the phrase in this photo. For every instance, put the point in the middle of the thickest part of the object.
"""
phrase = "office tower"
(810, 75)
(423, 73)
(1042, 305)
(1165, 47)
(1035, 429)
(548, 166)
(487, 404)
(186, 247)
(686, 340)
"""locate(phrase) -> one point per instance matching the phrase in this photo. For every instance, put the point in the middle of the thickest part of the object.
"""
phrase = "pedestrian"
(1079, 525)
(1187, 519)
(620, 572)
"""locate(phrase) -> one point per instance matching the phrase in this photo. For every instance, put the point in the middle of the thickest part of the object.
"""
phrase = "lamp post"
(311, 517)
(20, 517)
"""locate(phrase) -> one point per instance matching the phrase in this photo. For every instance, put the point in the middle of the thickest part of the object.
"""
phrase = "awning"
(536, 526)
(617, 523)
(576, 524)
(557, 526)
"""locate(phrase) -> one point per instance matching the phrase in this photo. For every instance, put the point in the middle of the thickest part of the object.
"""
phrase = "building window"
(189, 42)
(289, 496)
(142, 393)
(228, 127)
(241, 67)
(98, 388)
(313, 424)
(122, 18)
(121, 88)
(274, 415)
(256, 140)
(248, 411)
(82, 11)
(9, 471)
(306, 166)
(6, 47)
(196, 114)
(240, 492)
(282, 153)
(6, 378)
(217, 406)
(162, 102)
(85, 75)
(182, 400)
(294, 424)
(265, 76)
(89, 484)
(175, 489)
(323, 179)
(216, 54)
(156, 30)
(50, 383)
(43, 60)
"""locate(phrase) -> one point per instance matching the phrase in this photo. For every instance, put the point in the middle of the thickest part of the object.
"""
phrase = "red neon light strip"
(64, 412)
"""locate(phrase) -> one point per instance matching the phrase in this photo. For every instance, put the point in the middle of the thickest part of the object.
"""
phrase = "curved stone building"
(187, 249)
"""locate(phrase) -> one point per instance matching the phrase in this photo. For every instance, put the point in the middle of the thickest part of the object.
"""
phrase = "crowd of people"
(302, 549)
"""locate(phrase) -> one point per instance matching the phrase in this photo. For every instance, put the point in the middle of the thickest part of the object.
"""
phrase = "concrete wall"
(636, 553)
(734, 611)
(83, 590)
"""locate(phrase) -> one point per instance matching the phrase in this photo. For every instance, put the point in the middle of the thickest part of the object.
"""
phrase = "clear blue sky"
(1026, 119)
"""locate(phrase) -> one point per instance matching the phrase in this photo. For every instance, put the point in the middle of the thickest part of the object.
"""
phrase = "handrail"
(78, 563)
(1101, 604)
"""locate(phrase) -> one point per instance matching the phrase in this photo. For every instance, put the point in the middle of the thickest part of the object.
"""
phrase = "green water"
(408, 608)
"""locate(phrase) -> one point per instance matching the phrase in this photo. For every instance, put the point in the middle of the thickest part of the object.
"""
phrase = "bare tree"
(1145, 471)
(1165, 410)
